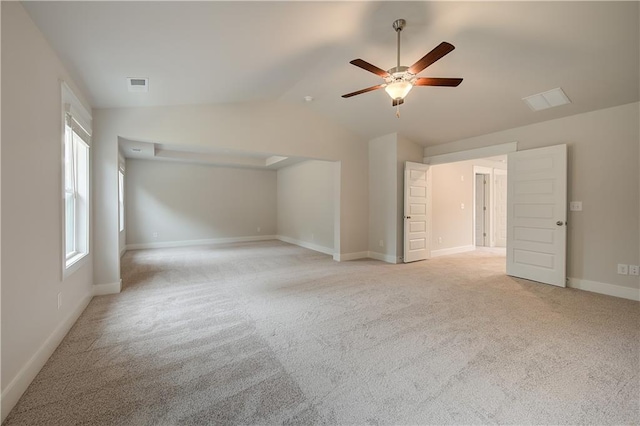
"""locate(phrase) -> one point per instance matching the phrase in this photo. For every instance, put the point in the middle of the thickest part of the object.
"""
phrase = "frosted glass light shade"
(398, 89)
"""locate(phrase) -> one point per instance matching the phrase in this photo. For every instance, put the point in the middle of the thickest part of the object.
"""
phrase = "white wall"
(184, 202)
(603, 174)
(387, 155)
(306, 204)
(383, 210)
(276, 128)
(452, 186)
(32, 324)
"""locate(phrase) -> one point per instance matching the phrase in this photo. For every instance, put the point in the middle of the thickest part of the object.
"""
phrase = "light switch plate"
(575, 206)
(623, 269)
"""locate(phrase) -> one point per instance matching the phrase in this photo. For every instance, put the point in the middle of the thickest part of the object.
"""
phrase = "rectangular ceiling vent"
(136, 84)
(548, 99)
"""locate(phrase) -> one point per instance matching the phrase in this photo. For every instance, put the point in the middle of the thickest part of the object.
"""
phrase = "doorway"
(469, 206)
(535, 198)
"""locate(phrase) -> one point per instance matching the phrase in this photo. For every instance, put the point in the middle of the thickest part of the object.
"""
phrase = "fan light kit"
(399, 81)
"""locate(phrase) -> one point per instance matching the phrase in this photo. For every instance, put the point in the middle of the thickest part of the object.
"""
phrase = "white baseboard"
(384, 257)
(110, 288)
(186, 243)
(452, 250)
(605, 288)
(25, 376)
(344, 257)
(310, 246)
(123, 251)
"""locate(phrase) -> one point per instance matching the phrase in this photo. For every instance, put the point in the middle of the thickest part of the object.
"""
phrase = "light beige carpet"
(270, 333)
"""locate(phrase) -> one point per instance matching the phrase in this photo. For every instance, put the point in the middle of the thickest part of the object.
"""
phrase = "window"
(76, 181)
(121, 199)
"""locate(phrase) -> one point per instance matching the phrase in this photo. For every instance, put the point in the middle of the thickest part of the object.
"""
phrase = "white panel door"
(480, 210)
(500, 190)
(537, 214)
(416, 236)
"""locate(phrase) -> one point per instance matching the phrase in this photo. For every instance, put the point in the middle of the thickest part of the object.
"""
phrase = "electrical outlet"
(381, 243)
(440, 240)
(155, 235)
(575, 206)
(461, 206)
(59, 300)
(313, 237)
(623, 269)
(634, 270)
(258, 229)
(461, 178)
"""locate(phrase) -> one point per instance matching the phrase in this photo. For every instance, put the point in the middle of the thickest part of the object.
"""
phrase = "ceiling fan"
(398, 81)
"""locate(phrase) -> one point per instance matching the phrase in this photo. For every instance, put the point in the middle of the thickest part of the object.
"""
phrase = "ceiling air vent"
(135, 84)
(548, 99)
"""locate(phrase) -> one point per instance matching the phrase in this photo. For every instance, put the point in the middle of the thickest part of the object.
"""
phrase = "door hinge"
(484, 208)
(484, 234)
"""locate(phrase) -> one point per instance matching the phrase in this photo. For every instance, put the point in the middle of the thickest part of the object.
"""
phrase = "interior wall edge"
(305, 244)
(108, 288)
(203, 242)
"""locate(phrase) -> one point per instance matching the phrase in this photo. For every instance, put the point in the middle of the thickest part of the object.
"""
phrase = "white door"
(537, 214)
(416, 238)
(500, 191)
(481, 210)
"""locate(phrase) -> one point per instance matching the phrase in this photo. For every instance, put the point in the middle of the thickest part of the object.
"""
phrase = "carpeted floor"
(270, 333)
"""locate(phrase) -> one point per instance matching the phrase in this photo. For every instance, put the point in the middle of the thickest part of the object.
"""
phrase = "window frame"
(121, 212)
(77, 119)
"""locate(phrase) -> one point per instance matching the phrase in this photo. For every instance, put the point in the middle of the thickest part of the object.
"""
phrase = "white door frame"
(484, 171)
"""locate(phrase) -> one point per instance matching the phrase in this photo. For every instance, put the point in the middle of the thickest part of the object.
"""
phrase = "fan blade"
(359, 92)
(396, 102)
(369, 67)
(450, 82)
(428, 59)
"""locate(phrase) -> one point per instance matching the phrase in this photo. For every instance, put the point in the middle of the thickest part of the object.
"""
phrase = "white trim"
(384, 257)
(605, 288)
(28, 372)
(472, 154)
(344, 257)
(74, 106)
(452, 250)
(110, 288)
(491, 209)
(186, 243)
(310, 246)
(123, 251)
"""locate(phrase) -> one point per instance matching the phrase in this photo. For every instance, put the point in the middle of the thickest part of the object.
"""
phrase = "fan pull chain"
(398, 111)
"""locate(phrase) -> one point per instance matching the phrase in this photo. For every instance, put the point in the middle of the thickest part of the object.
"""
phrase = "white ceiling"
(231, 52)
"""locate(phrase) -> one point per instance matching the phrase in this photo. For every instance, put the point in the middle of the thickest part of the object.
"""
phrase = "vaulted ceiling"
(234, 52)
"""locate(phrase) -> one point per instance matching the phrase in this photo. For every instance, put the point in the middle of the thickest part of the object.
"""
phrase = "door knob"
(407, 217)
(559, 223)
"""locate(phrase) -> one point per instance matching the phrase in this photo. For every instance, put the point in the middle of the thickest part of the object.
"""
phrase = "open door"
(416, 237)
(537, 214)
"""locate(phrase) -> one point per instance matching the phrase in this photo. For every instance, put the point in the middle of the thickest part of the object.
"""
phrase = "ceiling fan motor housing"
(399, 24)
